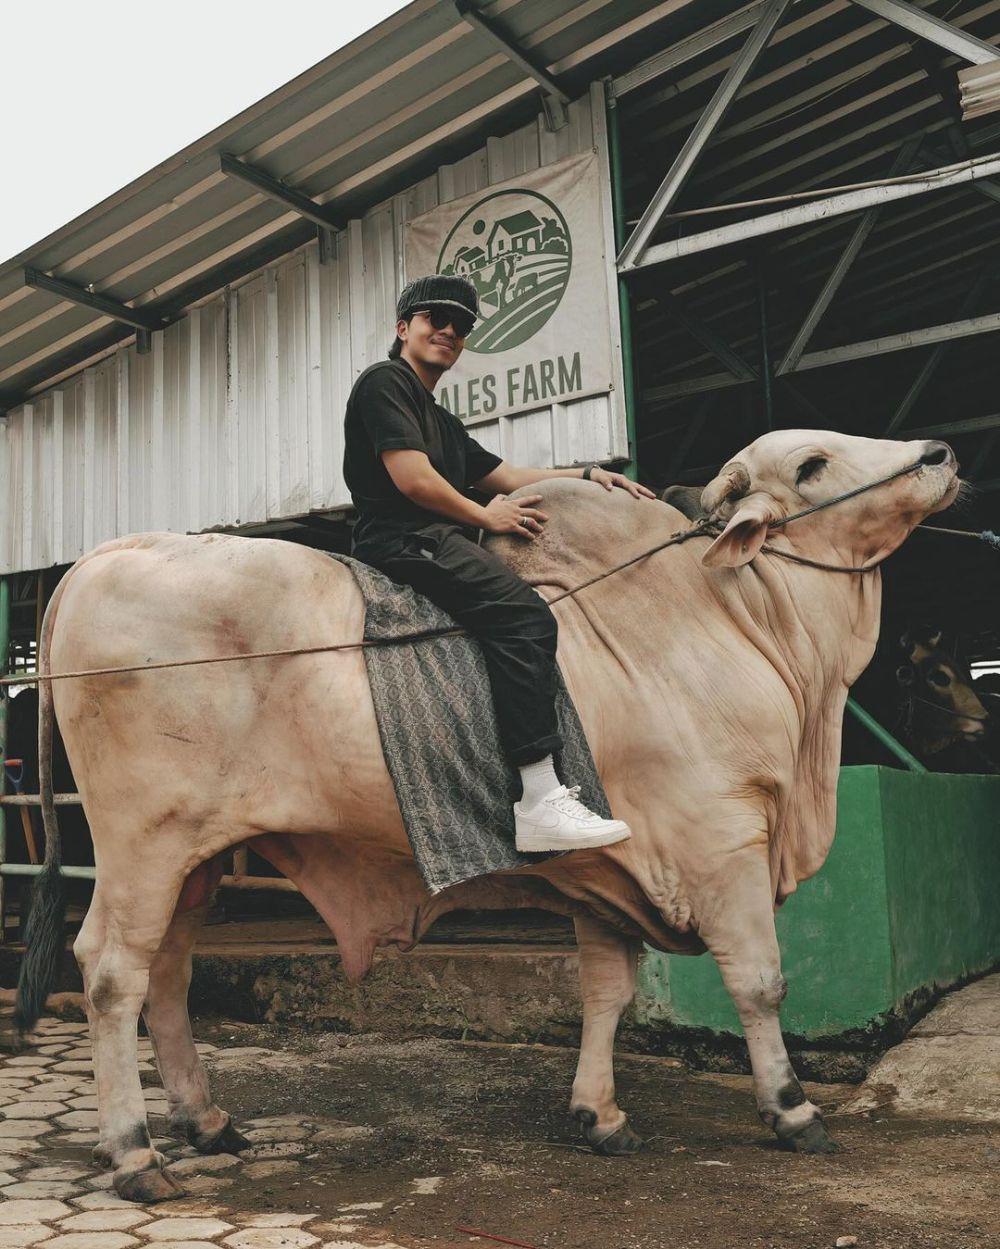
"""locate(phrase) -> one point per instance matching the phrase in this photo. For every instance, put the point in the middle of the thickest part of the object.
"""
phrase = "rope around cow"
(703, 529)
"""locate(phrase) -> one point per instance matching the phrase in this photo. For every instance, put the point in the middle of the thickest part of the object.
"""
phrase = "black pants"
(514, 626)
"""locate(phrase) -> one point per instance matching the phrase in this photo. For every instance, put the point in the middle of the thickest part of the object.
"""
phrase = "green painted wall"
(942, 844)
(909, 898)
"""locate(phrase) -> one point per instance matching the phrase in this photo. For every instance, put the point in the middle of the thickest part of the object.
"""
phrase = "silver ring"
(523, 521)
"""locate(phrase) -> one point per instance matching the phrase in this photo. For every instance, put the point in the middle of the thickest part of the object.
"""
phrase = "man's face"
(436, 346)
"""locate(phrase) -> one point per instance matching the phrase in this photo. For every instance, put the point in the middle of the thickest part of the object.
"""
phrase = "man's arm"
(415, 476)
(507, 477)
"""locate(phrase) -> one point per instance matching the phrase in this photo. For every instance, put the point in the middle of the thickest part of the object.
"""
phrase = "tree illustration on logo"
(515, 247)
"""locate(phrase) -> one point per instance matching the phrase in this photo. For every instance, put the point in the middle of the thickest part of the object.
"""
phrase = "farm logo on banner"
(534, 250)
(515, 247)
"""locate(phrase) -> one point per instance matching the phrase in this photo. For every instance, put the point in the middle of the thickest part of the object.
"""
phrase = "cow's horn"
(733, 482)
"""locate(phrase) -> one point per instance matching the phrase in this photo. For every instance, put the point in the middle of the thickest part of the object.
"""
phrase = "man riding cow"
(710, 678)
(408, 463)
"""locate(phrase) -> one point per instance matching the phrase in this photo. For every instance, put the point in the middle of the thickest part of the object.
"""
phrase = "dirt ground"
(450, 1134)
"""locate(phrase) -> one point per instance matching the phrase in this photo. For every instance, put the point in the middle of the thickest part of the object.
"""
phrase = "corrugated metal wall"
(235, 416)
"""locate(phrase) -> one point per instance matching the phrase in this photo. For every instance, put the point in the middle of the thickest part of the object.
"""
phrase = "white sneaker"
(561, 822)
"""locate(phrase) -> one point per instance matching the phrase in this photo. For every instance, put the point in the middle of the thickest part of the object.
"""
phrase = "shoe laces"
(569, 804)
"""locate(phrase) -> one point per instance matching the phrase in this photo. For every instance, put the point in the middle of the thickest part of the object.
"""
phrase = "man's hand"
(610, 480)
(518, 516)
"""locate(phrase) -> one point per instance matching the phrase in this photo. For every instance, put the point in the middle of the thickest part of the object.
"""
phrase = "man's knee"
(538, 623)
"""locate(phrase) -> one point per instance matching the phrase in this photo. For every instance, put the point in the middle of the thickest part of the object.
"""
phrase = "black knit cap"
(438, 288)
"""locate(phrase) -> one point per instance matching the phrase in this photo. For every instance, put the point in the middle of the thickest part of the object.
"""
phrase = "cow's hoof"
(102, 1155)
(617, 1144)
(812, 1139)
(228, 1141)
(147, 1186)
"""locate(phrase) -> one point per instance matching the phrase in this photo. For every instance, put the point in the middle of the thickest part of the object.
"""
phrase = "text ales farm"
(515, 387)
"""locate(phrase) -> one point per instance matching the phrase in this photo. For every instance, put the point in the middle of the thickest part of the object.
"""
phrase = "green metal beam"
(885, 737)
(631, 469)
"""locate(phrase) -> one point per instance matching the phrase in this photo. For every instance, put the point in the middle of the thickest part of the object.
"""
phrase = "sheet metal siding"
(234, 418)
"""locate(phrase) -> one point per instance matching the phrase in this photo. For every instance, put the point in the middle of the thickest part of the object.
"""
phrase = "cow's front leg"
(739, 931)
(607, 984)
(192, 1112)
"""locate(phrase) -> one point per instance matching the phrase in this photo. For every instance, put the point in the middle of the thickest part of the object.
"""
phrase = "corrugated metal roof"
(232, 419)
(421, 88)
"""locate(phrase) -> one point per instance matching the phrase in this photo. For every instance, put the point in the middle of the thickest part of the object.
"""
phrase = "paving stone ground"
(50, 1196)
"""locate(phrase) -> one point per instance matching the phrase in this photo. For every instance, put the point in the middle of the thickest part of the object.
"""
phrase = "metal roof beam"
(704, 334)
(678, 173)
(555, 97)
(685, 50)
(927, 26)
(973, 425)
(684, 444)
(817, 231)
(958, 141)
(287, 196)
(740, 369)
(141, 318)
(982, 455)
(802, 62)
(666, 344)
(929, 367)
(847, 257)
(967, 328)
(989, 323)
(816, 210)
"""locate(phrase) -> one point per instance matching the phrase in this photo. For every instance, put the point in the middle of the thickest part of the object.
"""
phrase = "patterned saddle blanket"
(435, 715)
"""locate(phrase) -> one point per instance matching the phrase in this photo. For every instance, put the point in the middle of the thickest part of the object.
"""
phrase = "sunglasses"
(440, 318)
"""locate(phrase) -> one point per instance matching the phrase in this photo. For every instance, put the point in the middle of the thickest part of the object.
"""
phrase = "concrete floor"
(948, 1066)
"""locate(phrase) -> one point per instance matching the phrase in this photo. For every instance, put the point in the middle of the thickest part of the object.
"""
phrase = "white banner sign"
(534, 247)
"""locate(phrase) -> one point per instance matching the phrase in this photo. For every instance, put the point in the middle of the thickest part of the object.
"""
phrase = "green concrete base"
(907, 904)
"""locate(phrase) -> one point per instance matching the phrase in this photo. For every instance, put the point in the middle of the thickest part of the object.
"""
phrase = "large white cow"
(710, 678)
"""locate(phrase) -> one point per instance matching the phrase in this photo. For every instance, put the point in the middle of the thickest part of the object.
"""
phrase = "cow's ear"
(743, 537)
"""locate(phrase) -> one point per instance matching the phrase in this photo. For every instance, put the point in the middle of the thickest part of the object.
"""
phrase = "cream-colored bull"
(711, 681)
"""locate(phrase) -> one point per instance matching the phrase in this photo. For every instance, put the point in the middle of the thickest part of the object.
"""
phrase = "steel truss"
(637, 252)
(912, 179)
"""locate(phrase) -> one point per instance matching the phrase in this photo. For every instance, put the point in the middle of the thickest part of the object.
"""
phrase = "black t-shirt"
(390, 409)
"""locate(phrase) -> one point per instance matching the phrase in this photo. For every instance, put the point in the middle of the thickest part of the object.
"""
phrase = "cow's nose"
(937, 453)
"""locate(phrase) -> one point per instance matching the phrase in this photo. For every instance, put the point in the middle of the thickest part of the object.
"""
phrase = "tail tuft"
(44, 941)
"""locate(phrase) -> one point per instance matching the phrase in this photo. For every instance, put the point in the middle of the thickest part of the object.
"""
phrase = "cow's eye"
(939, 677)
(810, 468)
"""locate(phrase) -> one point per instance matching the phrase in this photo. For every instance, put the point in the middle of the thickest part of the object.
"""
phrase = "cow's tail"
(45, 930)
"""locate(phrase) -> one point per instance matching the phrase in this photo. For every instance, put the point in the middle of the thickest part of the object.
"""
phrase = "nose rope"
(848, 494)
(703, 529)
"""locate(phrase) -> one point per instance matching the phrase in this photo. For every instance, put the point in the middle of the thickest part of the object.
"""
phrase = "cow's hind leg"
(191, 1111)
(115, 949)
(607, 984)
(739, 931)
